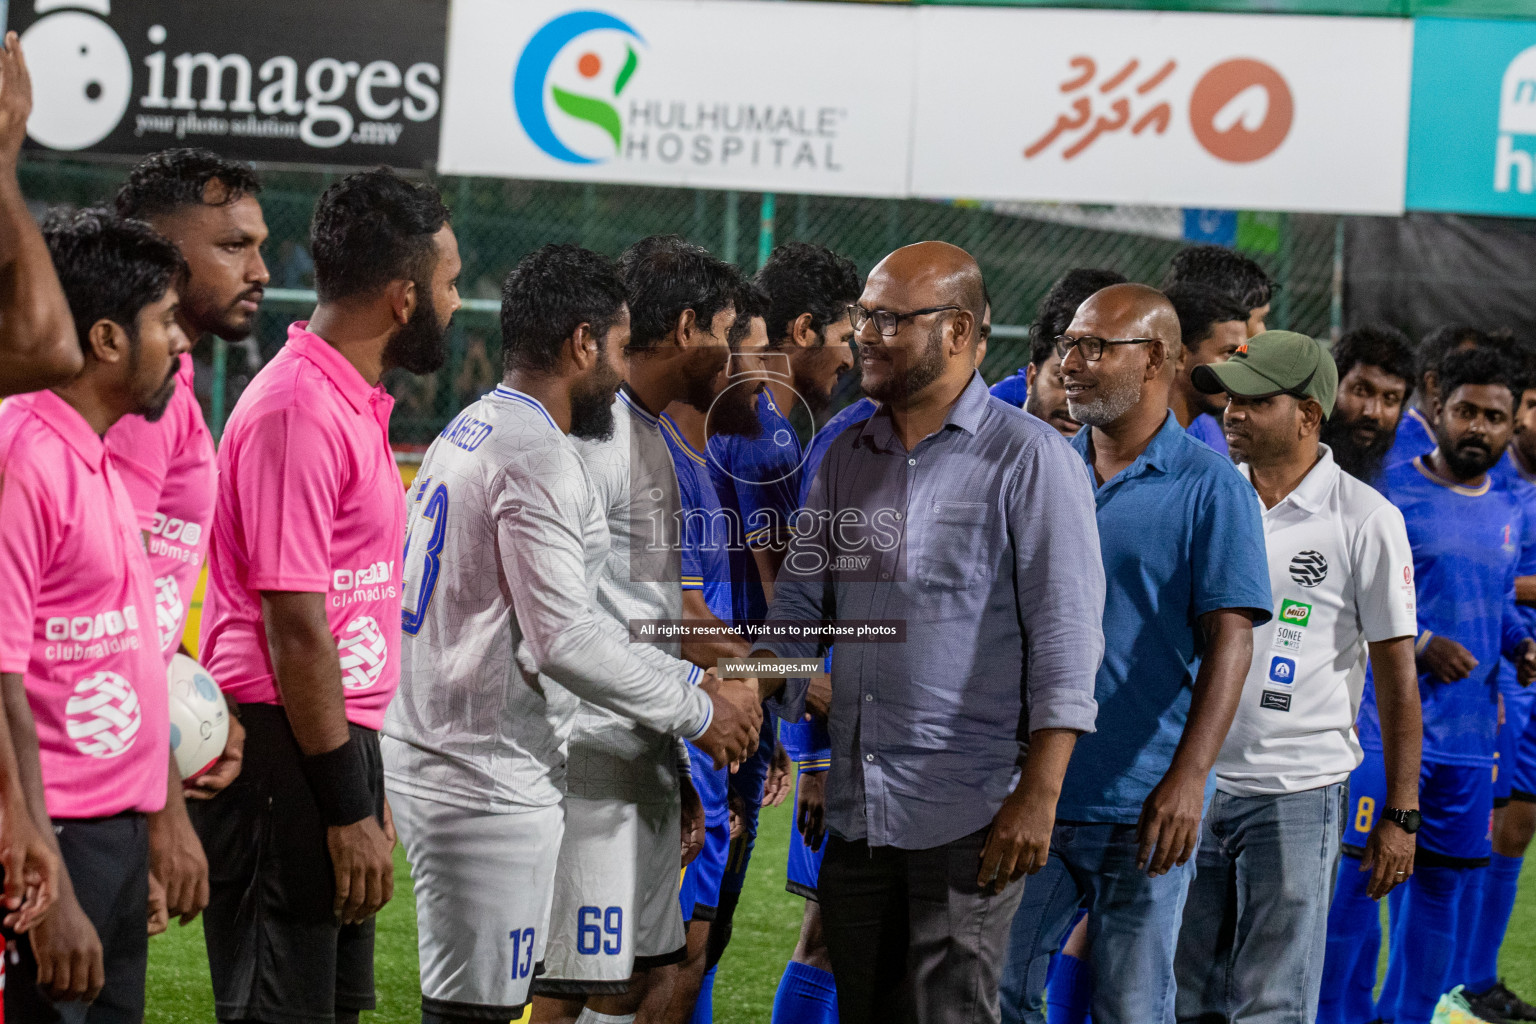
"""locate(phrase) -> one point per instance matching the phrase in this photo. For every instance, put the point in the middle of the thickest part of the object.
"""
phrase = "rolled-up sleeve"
(1059, 576)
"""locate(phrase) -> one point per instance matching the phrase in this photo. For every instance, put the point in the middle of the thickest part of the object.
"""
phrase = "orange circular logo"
(1241, 111)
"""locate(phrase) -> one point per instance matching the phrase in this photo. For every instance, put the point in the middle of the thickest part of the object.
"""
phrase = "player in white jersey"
(506, 541)
(615, 928)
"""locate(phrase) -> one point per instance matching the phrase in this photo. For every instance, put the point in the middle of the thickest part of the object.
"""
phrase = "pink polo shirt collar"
(354, 388)
(65, 420)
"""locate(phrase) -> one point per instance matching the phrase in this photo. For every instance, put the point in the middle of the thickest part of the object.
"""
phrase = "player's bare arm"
(1170, 819)
(176, 858)
(67, 948)
(1389, 852)
(38, 347)
(308, 671)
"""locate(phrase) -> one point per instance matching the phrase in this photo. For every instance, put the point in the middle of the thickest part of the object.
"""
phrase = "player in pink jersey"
(80, 667)
(302, 620)
(207, 207)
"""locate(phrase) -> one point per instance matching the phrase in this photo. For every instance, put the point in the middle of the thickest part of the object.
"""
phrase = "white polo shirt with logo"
(1342, 575)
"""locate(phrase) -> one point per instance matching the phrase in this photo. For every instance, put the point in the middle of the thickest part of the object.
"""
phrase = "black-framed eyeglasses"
(1093, 348)
(887, 322)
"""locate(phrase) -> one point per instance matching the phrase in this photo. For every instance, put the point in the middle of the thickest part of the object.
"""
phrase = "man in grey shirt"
(973, 522)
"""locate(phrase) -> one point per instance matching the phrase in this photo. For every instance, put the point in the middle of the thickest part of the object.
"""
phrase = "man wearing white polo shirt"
(1255, 924)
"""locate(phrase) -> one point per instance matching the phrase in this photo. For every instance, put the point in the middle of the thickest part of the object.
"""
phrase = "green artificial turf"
(767, 925)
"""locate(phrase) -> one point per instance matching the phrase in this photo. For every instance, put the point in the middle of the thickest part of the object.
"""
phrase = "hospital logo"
(580, 64)
(102, 716)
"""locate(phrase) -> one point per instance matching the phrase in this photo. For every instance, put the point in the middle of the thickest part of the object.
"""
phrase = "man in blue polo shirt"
(1186, 579)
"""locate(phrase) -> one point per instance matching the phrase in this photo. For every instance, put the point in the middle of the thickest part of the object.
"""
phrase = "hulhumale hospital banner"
(1472, 139)
(1198, 110)
(772, 96)
(282, 81)
(1236, 111)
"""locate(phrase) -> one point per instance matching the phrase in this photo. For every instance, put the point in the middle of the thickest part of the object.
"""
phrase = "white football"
(199, 717)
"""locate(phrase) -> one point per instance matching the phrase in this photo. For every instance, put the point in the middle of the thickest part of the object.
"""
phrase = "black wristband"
(339, 781)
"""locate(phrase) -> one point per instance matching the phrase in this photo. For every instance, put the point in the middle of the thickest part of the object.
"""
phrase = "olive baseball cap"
(1274, 363)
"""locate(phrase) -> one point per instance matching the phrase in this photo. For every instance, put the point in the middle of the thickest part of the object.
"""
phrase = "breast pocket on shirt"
(953, 544)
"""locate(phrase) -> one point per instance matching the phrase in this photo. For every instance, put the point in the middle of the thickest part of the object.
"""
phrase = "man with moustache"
(1376, 377)
(207, 206)
(1255, 926)
(1036, 387)
(302, 622)
(620, 853)
(1212, 327)
(1466, 537)
(932, 819)
(1183, 554)
(87, 705)
(493, 663)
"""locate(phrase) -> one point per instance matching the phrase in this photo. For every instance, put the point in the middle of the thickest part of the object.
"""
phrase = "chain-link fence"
(1022, 249)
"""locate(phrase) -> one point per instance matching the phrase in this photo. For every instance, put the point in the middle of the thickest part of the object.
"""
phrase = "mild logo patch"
(1296, 613)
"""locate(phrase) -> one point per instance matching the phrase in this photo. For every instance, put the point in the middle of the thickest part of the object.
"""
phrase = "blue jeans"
(1133, 925)
(1256, 922)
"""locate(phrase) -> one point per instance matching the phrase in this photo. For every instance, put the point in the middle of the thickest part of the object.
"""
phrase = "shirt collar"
(635, 406)
(503, 391)
(1311, 494)
(63, 419)
(966, 413)
(1435, 478)
(357, 391)
(1160, 453)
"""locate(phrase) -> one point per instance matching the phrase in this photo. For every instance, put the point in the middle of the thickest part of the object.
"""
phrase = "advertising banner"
(1200, 110)
(1472, 134)
(750, 95)
(338, 82)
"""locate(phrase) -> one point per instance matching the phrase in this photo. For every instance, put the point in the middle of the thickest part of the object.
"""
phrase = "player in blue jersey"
(1416, 433)
(1466, 535)
(1243, 282)
(721, 593)
(1036, 387)
(1376, 376)
(1214, 326)
(1514, 787)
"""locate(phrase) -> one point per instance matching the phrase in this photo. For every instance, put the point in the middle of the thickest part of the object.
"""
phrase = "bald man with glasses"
(1186, 579)
(970, 522)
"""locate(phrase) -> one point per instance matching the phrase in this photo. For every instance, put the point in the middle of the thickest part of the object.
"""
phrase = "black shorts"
(275, 949)
(108, 864)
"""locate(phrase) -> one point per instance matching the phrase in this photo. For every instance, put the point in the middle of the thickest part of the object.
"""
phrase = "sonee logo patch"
(1309, 568)
(1295, 613)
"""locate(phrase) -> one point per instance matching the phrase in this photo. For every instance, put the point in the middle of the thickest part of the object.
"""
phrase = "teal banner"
(1472, 121)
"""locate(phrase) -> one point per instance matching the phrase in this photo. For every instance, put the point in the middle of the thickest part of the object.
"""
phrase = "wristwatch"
(1408, 821)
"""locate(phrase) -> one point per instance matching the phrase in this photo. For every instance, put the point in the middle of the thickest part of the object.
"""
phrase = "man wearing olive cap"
(1341, 572)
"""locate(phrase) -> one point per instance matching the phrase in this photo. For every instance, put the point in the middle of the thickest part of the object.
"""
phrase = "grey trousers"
(913, 939)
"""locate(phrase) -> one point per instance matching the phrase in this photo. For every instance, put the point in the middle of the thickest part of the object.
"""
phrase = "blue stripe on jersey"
(518, 396)
(1466, 548)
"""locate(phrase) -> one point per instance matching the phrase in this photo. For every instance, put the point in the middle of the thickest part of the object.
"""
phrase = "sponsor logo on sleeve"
(363, 651)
